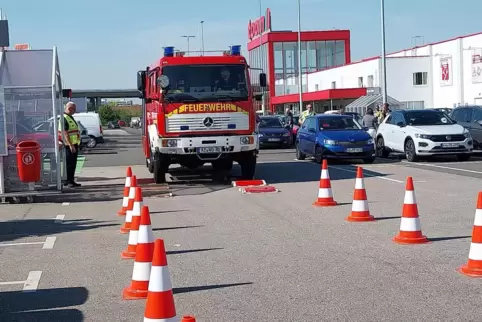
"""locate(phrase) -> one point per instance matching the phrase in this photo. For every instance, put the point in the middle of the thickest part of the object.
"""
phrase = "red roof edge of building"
(327, 94)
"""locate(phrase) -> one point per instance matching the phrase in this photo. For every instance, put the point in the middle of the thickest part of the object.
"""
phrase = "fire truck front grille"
(207, 122)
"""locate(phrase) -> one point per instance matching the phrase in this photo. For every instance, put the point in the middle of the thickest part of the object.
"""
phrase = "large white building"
(442, 74)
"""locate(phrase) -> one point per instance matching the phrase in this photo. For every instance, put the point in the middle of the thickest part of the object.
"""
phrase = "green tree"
(107, 114)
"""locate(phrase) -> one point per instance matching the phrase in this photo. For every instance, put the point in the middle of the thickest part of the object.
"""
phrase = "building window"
(420, 78)
(311, 56)
(340, 53)
(320, 55)
(360, 82)
(330, 54)
(370, 81)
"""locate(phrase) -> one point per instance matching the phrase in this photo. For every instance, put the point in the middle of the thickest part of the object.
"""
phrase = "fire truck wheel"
(150, 166)
(248, 167)
(160, 171)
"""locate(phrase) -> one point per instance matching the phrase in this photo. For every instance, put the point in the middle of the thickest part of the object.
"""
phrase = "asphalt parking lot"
(248, 257)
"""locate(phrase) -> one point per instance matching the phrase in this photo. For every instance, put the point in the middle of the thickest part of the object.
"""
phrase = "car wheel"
(319, 154)
(463, 157)
(410, 152)
(92, 143)
(381, 151)
(299, 155)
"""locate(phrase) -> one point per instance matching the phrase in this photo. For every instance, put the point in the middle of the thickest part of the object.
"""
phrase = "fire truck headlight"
(169, 143)
(247, 140)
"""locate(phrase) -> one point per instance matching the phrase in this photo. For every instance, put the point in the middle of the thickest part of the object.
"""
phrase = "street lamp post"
(384, 60)
(202, 37)
(188, 38)
(300, 84)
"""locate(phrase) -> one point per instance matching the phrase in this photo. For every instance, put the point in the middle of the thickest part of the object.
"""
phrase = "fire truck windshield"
(206, 82)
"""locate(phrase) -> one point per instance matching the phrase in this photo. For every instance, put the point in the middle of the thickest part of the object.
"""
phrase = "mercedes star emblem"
(448, 137)
(208, 122)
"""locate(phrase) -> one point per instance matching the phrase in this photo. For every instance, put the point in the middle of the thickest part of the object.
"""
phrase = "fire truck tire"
(160, 168)
(159, 172)
(248, 167)
(150, 166)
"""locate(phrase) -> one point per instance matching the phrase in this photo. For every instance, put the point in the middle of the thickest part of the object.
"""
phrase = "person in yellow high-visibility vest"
(69, 135)
(308, 112)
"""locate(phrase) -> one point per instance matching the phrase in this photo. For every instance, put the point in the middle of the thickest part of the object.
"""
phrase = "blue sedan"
(334, 136)
(273, 133)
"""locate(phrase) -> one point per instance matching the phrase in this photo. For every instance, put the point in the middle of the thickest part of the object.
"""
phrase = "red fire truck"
(198, 110)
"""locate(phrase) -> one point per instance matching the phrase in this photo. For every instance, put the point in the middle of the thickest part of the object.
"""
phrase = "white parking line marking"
(21, 244)
(29, 285)
(443, 167)
(59, 219)
(33, 279)
(49, 242)
(367, 175)
(65, 203)
(12, 283)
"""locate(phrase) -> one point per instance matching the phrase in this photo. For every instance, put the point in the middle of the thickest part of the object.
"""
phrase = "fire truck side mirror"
(141, 83)
(262, 80)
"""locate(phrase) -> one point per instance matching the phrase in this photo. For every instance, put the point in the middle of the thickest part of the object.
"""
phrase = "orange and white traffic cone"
(325, 195)
(188, 318)
(142, 262)
(410, 228)
(125, 199)
(130, 251)
(359, 207)
(134, 211)
(473, 268)
(160, 299)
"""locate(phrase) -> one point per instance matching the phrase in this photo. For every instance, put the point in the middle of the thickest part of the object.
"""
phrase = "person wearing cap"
(308, 112)
(69, 135)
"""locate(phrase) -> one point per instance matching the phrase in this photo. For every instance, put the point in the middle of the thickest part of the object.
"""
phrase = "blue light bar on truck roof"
(236, 50)
(168, 51)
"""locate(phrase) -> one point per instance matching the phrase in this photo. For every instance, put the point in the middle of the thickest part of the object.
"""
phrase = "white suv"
(419, 133)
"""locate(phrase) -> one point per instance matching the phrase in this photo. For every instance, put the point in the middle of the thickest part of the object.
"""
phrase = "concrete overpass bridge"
(96, 95)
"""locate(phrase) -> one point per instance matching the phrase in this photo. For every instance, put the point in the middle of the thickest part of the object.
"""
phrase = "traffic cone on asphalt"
(130, 251)
(129, 200)
(160, 299)
(473, 268)
(325, 195)
(142, 262)
(134, 211)
(359, 208)
(410, 228)
(125, 199)
(188, 318)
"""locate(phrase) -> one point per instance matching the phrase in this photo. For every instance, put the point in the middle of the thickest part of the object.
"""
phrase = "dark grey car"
(470, 117)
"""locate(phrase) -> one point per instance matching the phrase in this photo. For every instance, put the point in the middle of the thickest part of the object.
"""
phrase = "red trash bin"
(29, 161)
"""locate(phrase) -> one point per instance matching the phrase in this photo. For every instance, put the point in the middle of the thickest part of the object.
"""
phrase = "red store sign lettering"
(259, 26)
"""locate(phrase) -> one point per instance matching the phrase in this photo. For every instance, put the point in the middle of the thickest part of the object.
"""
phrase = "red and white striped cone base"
(134, 209)
(359, 207)
(473, 267)
(130, 251)
(125, 198)
(325, 194)
(143, 261)
(160, 300)
(410, 228)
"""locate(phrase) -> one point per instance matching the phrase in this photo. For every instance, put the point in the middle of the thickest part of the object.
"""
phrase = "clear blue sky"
(103, 43)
